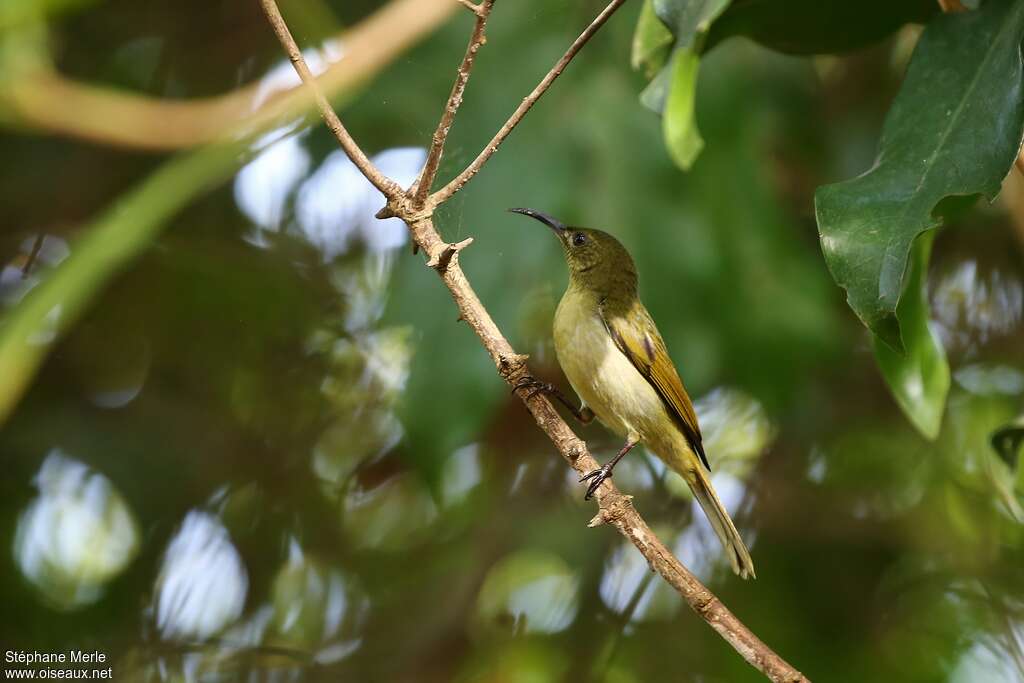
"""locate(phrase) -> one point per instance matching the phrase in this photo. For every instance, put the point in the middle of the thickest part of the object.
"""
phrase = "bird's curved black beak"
(553, 223)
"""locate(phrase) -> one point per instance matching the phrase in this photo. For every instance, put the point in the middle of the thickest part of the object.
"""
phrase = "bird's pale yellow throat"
(615, 360)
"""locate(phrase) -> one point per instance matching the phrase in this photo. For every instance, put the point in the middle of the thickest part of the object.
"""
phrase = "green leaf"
(813, 26)
(688, 19)
(652, 42)
(656, 93)
(672, 91)
(678, 124)
(954, 129)
(918, 378)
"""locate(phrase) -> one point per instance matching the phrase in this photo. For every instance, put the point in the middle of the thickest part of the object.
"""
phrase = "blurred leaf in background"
(953, 142)
(286, 458)
(673, 88)
(815, 27)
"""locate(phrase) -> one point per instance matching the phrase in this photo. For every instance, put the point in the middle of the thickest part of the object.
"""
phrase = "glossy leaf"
(815, 27)
(954, 130)
(919, 377)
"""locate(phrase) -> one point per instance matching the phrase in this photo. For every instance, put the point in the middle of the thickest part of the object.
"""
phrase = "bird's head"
(596, 260)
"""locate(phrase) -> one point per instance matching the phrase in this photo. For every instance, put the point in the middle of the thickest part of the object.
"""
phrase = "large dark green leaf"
(954, 130)
(817, 26)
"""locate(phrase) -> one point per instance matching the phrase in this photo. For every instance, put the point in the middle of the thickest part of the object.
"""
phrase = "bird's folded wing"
(637, 337)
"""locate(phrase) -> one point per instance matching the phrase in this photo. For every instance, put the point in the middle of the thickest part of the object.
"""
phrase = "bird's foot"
(535, 386)
(597, 476)
(583, 414)
(605, 471)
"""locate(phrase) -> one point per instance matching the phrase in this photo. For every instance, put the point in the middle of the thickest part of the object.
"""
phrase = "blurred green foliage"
(868, 224)
(276, 436)
(49, 309)
(955, 143)
(805, 27)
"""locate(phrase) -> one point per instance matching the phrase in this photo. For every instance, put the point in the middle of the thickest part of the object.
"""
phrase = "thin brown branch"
(451, 107)
(388, 187)
(455, 185)
(44, 99)
(614, 508)
(473, 7)
(37, 247)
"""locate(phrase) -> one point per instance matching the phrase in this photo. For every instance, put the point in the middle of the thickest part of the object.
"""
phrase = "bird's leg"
(605, 472)
(583, 413)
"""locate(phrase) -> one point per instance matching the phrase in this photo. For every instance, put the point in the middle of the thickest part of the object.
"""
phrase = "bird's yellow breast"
(603, 377)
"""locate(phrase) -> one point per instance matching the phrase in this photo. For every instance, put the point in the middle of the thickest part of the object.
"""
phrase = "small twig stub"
(449, 252)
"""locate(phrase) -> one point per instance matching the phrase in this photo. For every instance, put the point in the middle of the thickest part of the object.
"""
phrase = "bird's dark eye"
(579, 239)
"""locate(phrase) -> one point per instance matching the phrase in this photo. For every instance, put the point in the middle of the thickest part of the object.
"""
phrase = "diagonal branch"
(388, 187)
(455, 185)
(613, 507)
(476, 41)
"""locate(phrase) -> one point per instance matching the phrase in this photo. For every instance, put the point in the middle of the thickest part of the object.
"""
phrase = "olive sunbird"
(617, 363)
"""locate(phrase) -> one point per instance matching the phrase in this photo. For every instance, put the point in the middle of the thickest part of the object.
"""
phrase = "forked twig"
(387, 186)
(613, 507)
(455, 185)
(451, 107)
(472, 6)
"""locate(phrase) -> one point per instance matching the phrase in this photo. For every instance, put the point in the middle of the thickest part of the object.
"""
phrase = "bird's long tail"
(737, 551)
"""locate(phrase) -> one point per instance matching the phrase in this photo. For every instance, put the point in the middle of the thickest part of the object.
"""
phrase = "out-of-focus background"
(248, 440)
